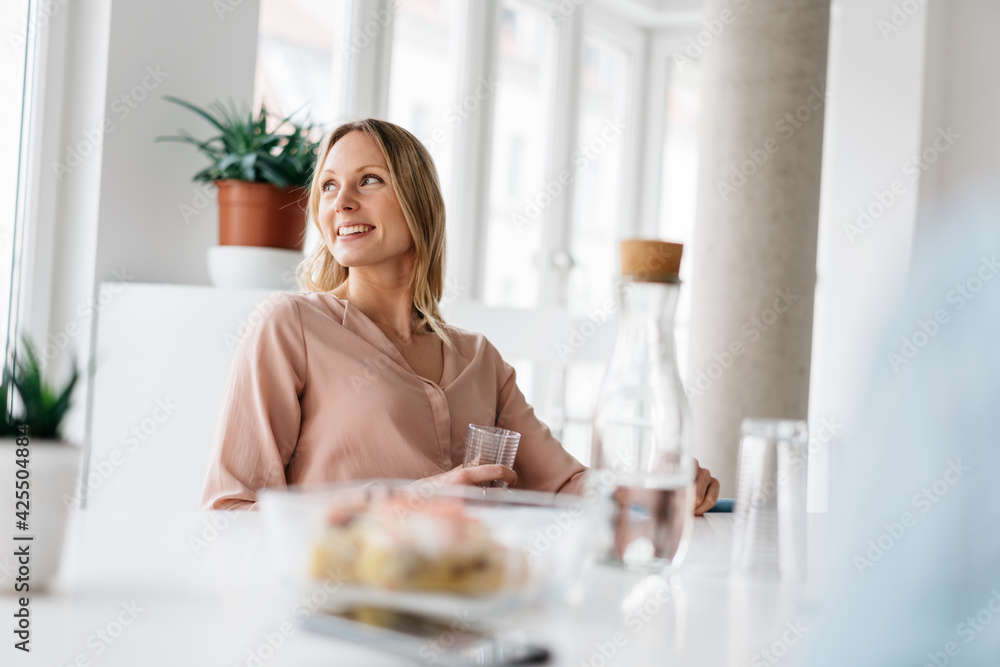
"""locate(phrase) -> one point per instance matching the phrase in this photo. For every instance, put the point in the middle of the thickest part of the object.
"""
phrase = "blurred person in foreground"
(359, 377)
(915, 505)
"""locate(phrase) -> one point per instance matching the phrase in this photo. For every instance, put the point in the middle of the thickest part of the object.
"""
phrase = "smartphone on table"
(424, 639)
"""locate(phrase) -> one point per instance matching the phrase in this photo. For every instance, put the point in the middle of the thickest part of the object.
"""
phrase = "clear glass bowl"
(431, 548)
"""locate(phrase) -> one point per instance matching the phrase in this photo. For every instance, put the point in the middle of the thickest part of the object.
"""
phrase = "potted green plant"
(262, 166)
(40, 467)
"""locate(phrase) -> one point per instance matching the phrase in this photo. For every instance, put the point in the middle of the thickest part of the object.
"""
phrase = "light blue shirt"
(915, 485)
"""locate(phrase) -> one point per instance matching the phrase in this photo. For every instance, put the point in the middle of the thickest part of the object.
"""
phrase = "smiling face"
(359, 213)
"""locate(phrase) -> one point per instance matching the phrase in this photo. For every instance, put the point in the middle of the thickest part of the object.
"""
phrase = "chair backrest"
(549, 340)
(163, 354)
(162, 358)
(536, 333)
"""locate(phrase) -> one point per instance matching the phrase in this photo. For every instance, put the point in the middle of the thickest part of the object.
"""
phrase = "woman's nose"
(345, 200)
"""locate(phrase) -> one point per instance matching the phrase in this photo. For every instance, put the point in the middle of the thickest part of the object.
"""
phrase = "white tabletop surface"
(133, 591)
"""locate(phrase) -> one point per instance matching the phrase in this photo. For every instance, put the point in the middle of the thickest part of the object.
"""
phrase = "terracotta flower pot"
(260, 214)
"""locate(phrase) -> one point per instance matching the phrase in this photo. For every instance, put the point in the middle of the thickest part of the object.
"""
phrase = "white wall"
(896, 88)
(113, 210)
(873, 126)
(143, 185)
(962, 92)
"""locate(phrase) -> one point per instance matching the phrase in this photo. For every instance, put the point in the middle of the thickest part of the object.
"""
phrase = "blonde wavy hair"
(415, 182)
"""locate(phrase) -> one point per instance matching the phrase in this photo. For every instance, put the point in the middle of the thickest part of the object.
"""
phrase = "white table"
(133, 592)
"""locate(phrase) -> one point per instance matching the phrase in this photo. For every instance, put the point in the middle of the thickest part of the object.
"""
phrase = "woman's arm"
(575, 484)
(541, 463)
(706, 489)
(258, 425)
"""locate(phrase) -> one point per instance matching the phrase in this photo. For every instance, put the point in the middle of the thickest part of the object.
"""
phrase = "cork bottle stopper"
(650, 260)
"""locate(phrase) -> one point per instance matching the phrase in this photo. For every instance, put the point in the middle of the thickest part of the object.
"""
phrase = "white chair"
(549, 341)
(162, 357)
(163, 354)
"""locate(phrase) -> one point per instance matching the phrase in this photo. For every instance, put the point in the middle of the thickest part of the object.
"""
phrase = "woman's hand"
(474, 475)
(706, 490)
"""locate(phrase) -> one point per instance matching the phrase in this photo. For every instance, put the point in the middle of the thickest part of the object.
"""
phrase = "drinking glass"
(770, 511)
(486, 445)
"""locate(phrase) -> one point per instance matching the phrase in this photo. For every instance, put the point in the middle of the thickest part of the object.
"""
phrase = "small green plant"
(45, 406)
(8, 427)
(246, 150)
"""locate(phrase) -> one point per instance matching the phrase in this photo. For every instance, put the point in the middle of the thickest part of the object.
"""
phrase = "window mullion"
(665, 47)
(637, 142)
(656, 83)
(478, 27)
(563, 122)
(365, 59)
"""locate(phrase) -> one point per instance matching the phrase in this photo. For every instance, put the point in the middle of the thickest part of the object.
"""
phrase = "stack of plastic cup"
(487, 445)
(770, 511)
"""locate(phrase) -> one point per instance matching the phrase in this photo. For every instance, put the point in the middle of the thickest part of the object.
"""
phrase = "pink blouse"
(317, 393)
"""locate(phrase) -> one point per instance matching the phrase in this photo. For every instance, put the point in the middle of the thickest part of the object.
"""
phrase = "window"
(295, 65)
(680, 178)
(598, 162)
(605, 91)
(599, 166)
(15, 72)
(422, 31)
(516, 218)
(295, 47)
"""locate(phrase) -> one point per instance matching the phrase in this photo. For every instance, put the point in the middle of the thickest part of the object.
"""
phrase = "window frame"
(649, 48)
(606, 26)
(364, 80)
(34, 243)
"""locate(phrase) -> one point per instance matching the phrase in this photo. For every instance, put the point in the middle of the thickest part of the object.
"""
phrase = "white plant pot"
(53, 473)
(250, 267)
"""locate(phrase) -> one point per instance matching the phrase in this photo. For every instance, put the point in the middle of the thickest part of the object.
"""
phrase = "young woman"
(358, 377)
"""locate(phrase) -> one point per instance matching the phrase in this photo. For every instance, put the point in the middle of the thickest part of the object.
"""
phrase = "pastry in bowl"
(397, 544)
(428, 548)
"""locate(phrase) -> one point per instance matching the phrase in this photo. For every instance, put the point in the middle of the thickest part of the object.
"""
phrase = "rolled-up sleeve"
(541, 463)
(260, 417)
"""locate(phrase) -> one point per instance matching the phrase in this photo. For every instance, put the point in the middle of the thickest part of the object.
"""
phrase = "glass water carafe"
(641, 452)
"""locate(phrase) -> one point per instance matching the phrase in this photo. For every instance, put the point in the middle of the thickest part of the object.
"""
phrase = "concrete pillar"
(763, 84)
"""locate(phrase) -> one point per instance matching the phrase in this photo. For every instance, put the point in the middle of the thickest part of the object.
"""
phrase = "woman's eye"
(368, 179)
(326, 187)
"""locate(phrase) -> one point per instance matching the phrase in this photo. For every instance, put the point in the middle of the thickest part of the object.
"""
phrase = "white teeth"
(356, 229)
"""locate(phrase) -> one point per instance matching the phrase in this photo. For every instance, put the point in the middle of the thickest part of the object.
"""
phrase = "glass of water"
(770, 511)
(486, 445)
